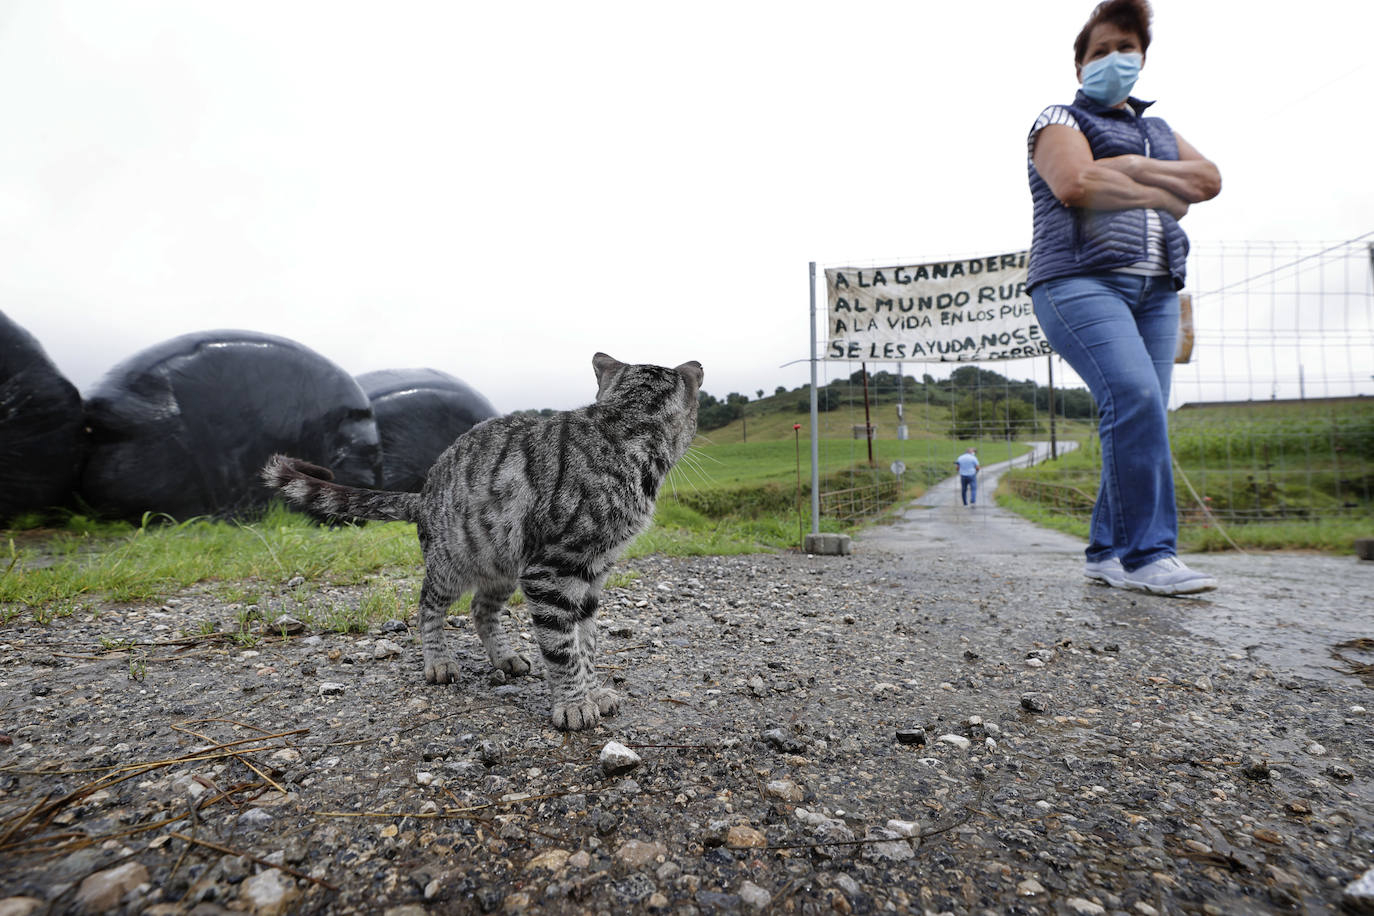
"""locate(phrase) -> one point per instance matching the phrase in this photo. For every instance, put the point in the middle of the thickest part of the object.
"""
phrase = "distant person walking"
(1108, 257)
(968, 465)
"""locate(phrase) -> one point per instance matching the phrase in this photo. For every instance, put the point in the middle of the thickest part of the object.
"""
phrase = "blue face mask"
(1109, 79)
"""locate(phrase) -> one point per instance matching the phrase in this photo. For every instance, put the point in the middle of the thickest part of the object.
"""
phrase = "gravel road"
(949, 720)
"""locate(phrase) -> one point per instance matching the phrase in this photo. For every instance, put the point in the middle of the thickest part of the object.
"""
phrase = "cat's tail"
(312, 488)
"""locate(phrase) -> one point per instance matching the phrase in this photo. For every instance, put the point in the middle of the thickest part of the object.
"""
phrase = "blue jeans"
(968, 488)
(1119, 333)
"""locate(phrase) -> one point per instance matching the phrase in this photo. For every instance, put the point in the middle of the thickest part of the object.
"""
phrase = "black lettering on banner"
(840, 280)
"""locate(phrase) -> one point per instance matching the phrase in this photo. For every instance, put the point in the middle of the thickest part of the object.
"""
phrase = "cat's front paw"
(607, 700)
(577, 715)
(441, 670)
(513, 665)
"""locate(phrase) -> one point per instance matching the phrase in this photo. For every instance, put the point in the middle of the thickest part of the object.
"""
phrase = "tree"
(975, 417)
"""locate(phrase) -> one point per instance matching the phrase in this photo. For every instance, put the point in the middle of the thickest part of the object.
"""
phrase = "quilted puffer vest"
(1069, 241)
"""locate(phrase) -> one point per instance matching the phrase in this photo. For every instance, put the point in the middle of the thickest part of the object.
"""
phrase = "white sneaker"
(1108, 571)
(1168, 576)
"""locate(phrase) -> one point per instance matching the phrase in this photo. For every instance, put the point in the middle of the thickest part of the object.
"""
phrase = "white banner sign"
(977, 309)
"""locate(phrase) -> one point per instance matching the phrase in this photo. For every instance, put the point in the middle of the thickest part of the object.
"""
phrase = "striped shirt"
(1156, 262)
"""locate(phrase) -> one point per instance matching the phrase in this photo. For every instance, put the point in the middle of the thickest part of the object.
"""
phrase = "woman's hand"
(1191, 177)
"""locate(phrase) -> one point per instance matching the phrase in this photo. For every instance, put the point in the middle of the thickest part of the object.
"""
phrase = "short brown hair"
(1127, 15)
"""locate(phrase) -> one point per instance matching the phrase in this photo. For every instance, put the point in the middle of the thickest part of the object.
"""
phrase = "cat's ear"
(606, 368)
(693, 373)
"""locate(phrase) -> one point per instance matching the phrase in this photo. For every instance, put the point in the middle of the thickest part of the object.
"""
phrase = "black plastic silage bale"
(184, 427)
(41, 437)
(420, 412)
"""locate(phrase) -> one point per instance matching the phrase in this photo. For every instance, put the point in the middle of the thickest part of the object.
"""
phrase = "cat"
(545, 503)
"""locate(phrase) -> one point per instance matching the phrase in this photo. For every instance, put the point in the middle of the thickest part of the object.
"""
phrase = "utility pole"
(1054, 450)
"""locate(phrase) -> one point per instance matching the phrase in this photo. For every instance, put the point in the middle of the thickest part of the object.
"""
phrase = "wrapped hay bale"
(184, 427)
(42, 440)
(419, 413)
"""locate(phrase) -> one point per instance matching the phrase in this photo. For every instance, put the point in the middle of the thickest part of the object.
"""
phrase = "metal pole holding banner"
(815, 420)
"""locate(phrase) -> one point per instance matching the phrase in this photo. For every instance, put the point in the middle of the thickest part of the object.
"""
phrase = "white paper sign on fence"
(955, 311)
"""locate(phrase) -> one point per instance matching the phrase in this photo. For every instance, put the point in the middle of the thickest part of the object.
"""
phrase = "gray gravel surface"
(922, 726)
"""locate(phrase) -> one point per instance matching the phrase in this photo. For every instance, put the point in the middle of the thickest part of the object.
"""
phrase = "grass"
(1278, 477)
(56, 569)
(726, 497)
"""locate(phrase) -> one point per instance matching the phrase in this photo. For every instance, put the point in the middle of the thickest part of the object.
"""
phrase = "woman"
(1107, 259)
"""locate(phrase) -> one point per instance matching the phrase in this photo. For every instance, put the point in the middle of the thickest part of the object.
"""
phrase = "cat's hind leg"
(487, 604)
(563, 610)
(435, 600)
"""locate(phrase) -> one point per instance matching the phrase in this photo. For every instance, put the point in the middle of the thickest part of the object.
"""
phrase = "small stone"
(958, 741)
(742, 837)
(552, 859)
(782, 741)
(285, 624)
(639, 854)
(331, 689)
(616, 759)
(1315, 749)
(1340, 773)
(20, 906)
(254, 819)
(268, 893)
(490, 752)
(1357, 710)
(1358, 895)
(1265, 835)
(295, 582)
(102, 891)
(754, 896)
(1030, 888)
(757, 686)
(1034, 702)
(785, 789)
(1035, 663)
(1085, 907)
(395, 626)
(1144, 909)
(897, 849)
(904, 828)
(424, 778)
(911, 736)
(580, 859)
(385, 648)
(1255, 768)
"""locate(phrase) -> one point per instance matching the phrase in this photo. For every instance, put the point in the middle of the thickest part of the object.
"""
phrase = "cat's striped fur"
(542, 503)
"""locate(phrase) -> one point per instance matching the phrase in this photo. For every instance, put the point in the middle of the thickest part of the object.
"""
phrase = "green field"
(1274, 476)
(1266, 475)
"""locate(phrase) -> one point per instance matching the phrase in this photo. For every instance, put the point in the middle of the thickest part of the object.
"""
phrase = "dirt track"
(950, 720)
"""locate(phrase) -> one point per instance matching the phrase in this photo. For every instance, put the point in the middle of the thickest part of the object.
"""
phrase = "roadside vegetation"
(1276, 478)
(1266, 476)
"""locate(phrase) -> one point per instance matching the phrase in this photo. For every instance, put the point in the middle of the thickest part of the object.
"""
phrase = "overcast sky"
(498, 190)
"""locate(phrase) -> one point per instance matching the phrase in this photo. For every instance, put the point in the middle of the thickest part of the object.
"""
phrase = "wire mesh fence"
(1271, 416)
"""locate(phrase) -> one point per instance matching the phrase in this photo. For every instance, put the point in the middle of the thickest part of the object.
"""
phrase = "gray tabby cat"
(543, 503)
